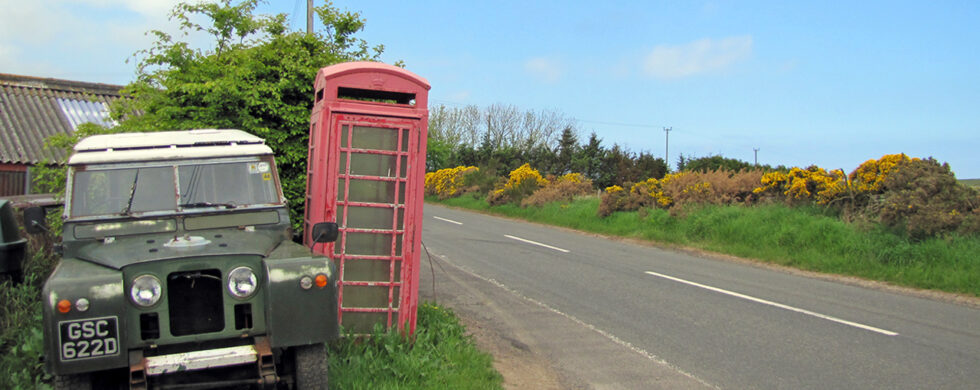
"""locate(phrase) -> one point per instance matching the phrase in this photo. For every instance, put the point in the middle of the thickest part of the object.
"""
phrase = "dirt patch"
(513, 359)
(520, 365)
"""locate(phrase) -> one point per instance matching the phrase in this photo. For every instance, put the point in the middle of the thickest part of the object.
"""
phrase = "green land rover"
(178, 269)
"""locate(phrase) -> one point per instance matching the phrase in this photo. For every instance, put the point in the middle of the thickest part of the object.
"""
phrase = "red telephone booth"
(366, 172)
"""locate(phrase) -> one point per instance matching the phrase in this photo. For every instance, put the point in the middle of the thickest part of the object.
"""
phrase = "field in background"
(975, 183)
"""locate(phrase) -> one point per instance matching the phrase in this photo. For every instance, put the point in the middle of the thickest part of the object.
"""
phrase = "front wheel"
(311, 367)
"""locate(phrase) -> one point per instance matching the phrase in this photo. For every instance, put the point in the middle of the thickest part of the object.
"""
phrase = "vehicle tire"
(311, 367)
(73, 382)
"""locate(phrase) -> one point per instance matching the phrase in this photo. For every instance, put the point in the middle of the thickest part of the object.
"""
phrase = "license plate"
(89, 338)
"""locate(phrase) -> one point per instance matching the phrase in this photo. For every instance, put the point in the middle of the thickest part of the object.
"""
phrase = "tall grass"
(801, 237)
(442, 356)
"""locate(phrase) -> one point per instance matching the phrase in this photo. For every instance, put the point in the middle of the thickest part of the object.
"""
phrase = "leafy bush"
(21, 338)
(711, 163)
(562, 189)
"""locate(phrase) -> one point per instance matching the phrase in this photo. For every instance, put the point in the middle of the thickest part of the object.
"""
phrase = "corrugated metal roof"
(32, 109)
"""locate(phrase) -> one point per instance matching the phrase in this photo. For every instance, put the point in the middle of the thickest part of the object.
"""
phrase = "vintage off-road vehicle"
(178, 268)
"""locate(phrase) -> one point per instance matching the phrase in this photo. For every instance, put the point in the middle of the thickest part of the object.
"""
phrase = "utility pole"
(309, 16)
(667, 145)
(756, 150)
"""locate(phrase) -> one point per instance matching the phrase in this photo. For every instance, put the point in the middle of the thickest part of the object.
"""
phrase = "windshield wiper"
(207, 204)
(132, 193)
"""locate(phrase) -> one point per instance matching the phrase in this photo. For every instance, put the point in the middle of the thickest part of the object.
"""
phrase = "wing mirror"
(34, 220)
(324, 232)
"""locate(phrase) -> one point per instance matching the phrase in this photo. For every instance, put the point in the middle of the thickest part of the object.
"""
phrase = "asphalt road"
(662, 318)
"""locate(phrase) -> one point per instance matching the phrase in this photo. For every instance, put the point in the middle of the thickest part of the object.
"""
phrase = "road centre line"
(536, 243)
(447, 220)
(774, 304)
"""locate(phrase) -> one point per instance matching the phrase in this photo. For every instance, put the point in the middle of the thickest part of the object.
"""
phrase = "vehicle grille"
(195, 302)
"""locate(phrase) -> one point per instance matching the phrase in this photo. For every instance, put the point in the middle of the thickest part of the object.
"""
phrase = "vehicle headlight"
(242, 282)
(146, 290)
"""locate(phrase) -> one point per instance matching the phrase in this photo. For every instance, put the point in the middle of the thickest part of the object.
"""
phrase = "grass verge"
(800, 237)
(441, 357)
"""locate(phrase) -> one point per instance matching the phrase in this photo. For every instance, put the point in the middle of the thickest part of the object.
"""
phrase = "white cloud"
(53, 38)
(701, 56)
(546, 69)
(146, 8)
(459, 96)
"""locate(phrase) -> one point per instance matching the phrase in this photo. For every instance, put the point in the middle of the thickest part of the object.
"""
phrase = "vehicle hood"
(122, 251)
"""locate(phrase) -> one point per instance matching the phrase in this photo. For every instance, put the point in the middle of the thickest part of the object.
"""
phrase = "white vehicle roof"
(167, 145)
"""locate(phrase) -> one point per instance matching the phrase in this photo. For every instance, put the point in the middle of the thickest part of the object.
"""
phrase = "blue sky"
(828, 83)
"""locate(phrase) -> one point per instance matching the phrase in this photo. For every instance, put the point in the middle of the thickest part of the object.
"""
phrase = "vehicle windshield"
(176, 187)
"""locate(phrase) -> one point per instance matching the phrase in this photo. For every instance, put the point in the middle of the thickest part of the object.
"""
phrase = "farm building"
(32, 109)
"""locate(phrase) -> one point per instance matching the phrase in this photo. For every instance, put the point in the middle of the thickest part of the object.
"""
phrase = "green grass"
(801, 237)
(441, 357)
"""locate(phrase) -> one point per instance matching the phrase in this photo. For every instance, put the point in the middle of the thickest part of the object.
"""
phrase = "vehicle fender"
(296, 315)
(103, 287)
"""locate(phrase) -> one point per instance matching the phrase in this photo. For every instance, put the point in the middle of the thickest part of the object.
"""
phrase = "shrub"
(676, 190)
(522, 182)
(562, 189)
(923, 198)
(870, 175)
(613, 199)
(718, 187)
(810, 184)
(447, 183)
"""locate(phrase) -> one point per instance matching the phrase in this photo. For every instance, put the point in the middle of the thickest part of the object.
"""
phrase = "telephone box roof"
(338, 70)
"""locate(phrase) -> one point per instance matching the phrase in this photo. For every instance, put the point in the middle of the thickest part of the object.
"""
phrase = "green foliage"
(711, 163)
(21, 338)
(258, 77)
(803, 237)
(618, 165)
(441, 356)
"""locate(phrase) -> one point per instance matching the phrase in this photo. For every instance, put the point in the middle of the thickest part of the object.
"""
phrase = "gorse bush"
(521, 183)
(449, 182)
(870, 175)
(677, 190)
(810, 184)
(923, 198)
(916, 197)
(561, 189)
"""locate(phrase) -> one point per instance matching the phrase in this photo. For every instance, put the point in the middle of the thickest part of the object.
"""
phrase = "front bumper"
(256, 360)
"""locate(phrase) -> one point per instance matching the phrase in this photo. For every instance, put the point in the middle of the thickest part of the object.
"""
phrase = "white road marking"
(779, 305)
(447, 220)
(536, 243)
